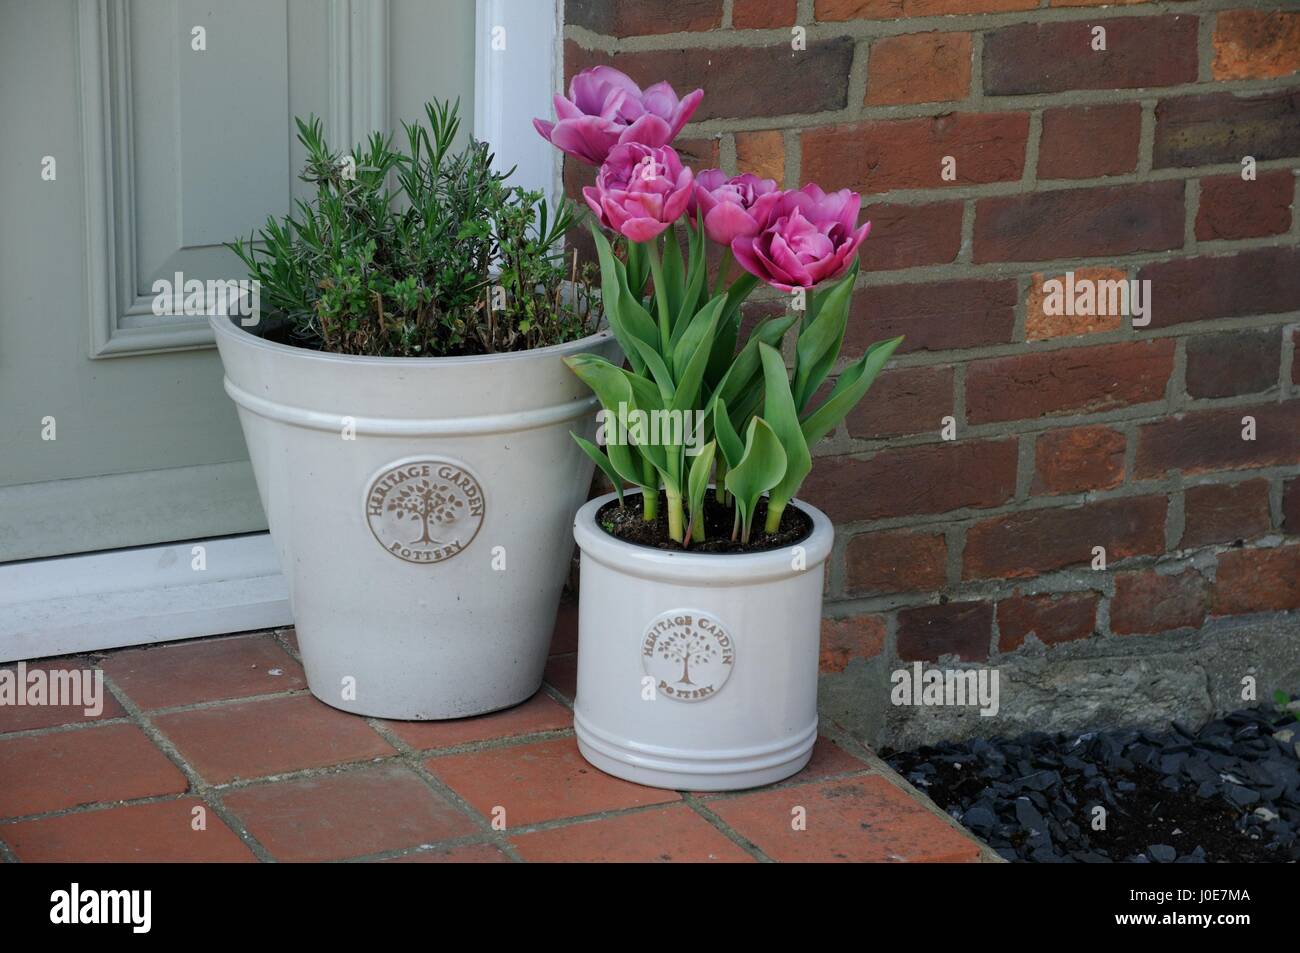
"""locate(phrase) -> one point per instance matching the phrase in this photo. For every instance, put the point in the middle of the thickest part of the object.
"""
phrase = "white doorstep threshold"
(71, 604)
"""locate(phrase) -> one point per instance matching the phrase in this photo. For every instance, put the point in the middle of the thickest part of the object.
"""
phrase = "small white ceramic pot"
(698, 671)
(420, 507)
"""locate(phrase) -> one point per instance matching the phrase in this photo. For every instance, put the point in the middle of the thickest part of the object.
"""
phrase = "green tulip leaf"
(849, 388)
(602, 461)
(760, 469)
(780, 414)
(820, 340)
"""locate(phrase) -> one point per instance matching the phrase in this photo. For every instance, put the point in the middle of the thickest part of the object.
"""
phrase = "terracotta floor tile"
(542, 781)
(565, 638)
(385, 807)
(63, 769)
(562, 674)
(256, 738)
(864, 819)
(828, 759)
(661, 835)
(465, 854)
(164, 676)
(161, 832)
(539, 713)
(15, 717)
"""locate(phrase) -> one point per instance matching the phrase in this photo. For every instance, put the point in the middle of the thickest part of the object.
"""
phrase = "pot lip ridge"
(704, 570)
(223, 325)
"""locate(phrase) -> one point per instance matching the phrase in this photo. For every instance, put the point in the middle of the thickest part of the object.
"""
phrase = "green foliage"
(685, 358)
(423, 252)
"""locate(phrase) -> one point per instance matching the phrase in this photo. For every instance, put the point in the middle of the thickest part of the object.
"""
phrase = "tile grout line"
(200, 788)
(725, 829)
(414, 760)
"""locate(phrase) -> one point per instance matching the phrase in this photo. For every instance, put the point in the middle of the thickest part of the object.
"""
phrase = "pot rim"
(226, 325)
(705, 570)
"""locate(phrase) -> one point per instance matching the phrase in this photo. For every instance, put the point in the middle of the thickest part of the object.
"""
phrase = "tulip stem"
(661, 295)
(675, 520)
(723, 269)
(650, 494)
(774, 511)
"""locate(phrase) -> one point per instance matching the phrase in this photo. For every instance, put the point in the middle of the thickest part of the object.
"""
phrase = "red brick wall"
(1071, 432)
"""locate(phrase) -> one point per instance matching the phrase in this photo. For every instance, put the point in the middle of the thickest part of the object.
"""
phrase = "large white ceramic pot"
(420, 507)
(698, 671)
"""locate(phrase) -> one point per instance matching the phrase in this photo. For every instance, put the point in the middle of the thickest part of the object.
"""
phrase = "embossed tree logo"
(430, 503)
(688, 647)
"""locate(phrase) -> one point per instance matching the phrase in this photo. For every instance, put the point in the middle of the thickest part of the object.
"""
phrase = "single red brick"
(1256, 44)
(919, 68)
(742, 82)
(540, 781)
(762, 14)
(1052, 619)
(1105, 314)
(52, 772)
(963, 629)
(902, 9)
(672, 834)
(163, 676)
(257, 738)
(1058, 56)
(1224, 512)
(937, 316)
(1078, 459)
(761, 153)
(539, 713)
(643, 17)
(1086, 142)
(904, 400)
(1233, 207)
(1291, 507)
(859, 637)
(1039, 541)
(1107, 220)
(376, 809)
(60, 678)
(1234, 362)
(1207, 440)
(158, 833)
(1221, 127)
(1257, 580)
(929, 478)
(895, 561)
(888, 154)
(1259, 281)
(862, 820)
(1147, 601)
(1075, 380)
(909, 236)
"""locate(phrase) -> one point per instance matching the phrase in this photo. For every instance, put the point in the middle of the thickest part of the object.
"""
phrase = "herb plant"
(421, 252)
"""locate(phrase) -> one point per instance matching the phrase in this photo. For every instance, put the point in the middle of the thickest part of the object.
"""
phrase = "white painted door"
(137, 137)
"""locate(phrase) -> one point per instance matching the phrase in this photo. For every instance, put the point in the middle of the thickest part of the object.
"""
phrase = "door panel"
(161, 154)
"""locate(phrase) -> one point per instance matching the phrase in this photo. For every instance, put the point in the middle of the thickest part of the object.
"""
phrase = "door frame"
(91, 601)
